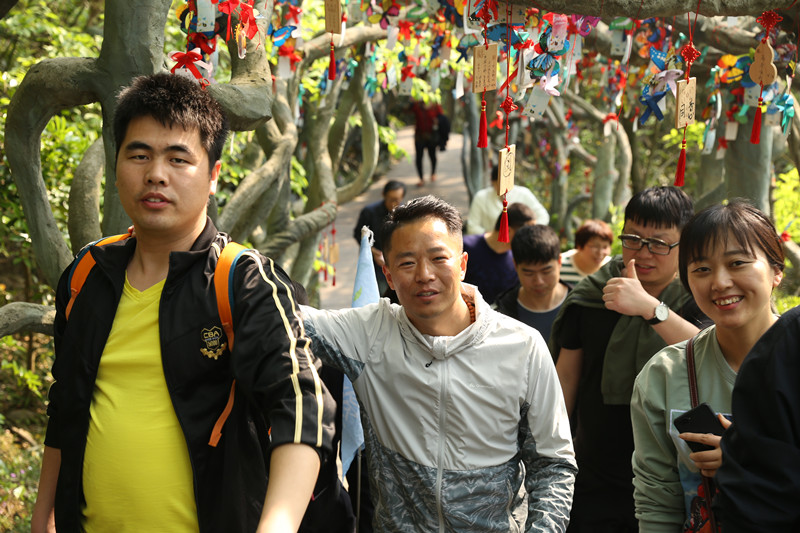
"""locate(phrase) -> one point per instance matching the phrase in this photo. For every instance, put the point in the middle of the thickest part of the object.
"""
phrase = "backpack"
(223, 287)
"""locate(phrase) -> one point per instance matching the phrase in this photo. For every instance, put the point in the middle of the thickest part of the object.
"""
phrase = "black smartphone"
(701, 419)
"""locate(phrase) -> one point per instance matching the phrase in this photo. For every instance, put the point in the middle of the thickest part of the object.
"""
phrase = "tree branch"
(239, 218)
(320, 46)
(17, 317)
(247, 98)
(657, 8)
(84, 197)
(369, 142)
(49, 87)
(302, 227)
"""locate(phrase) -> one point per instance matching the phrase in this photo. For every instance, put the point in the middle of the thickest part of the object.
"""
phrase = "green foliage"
(19, 477)
(388, 137)
(32, 31)
(787, 202)
(37, 30)
(299, 181)
(616, 223)
(784, 302)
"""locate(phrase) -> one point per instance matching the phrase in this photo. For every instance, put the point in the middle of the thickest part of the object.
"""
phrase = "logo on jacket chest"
(212, 338)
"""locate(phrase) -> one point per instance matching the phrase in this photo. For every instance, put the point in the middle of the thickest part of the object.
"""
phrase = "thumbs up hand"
(626, 296)
(630, 270)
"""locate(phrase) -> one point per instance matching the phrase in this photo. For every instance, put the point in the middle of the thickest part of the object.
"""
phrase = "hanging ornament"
(484, 78)
(685, 98)
(507, 155)
(552, 45)
(484, 64)
(762, 70)
(187, 63)
(333, 24)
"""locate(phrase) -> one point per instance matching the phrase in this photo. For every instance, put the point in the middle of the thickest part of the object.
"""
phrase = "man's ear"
(214, 177)
(388, 276)
(464, 256)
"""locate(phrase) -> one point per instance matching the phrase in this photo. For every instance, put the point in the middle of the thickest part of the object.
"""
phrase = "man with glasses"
(607, 329)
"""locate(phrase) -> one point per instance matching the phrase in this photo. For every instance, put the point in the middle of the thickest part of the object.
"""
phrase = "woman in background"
(592, 247)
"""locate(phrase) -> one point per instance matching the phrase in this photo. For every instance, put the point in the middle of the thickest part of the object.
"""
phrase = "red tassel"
(503, 235)
(483, 141)
(332, 66)
(334, 276)
(679, 173)
(755, 135)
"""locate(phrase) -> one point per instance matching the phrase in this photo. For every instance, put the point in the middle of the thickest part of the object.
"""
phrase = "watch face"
(662, 312)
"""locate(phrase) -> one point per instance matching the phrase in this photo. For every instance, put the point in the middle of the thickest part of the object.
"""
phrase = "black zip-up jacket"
(759, 480)
(271, 357)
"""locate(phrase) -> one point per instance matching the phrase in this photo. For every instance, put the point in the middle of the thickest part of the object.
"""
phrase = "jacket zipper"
(442, 433)
(167, 380)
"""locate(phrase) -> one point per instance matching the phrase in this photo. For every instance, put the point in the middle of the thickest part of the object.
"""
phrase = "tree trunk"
(638, 177)
(748, 167)
(472, 162)
(605, 177)
(84, 198)
(710, 181)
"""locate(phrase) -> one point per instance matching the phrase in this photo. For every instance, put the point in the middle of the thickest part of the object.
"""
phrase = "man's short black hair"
(535, 244)
(393, 185)
(173, 100)
(417, 209)
(518, 215)
(660, 207)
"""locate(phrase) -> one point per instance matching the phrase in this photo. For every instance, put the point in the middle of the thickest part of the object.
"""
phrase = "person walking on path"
(491, 263)
(373, 216)
(461, 405)
(592, 245)
(144, 370)
(538, 296)
(731, 259)
(611, 323)
(426, 135)
(487, 205)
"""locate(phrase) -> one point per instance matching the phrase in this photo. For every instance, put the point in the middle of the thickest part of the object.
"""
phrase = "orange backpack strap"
(223, 287)
(83, 264)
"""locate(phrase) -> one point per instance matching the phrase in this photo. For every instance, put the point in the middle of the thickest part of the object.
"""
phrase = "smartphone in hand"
(700, 419)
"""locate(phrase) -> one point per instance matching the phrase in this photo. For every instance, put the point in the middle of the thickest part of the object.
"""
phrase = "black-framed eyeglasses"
(656, 246)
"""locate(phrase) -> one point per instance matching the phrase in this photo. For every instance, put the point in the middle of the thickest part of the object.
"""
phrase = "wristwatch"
(661, 314)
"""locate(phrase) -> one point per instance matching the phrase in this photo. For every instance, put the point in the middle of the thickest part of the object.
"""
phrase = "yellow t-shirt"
(136, 471)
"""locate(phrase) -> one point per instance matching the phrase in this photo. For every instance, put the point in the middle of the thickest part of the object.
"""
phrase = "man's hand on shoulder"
(626, 296)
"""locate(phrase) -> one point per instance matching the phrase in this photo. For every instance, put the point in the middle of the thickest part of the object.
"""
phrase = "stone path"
(449, 186)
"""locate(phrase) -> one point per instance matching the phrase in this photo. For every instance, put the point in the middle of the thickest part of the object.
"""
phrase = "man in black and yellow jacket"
(147, 430)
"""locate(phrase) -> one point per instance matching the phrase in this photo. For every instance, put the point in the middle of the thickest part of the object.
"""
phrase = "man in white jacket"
(461, 405)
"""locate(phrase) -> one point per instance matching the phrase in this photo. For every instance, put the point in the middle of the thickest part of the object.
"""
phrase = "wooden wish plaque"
(484, 68)
(333, 16)
(762, 70)
(507, 165)
(685, 102)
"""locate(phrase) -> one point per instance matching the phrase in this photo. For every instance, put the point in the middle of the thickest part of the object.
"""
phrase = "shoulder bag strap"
(83, 265)
(692, 373)
(708, 483)
(223, 287)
